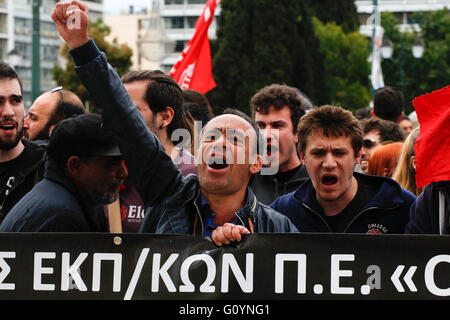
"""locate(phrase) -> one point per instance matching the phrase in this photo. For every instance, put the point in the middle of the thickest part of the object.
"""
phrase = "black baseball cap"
(83, 135)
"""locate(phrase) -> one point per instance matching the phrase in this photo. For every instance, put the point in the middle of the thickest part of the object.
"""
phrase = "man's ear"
(400, 117)
(166, 117)
(51, 129)
(73, 166)
(256, 164)
(372, 113)
(358, 157)
(302, 156)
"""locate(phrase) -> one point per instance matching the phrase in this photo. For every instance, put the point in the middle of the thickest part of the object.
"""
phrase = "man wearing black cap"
(84, 169)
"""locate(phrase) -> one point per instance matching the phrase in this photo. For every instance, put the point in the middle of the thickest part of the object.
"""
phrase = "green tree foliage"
(346, 65)
(418, 76)
(260, 42)
(342, 12)
(119, 56)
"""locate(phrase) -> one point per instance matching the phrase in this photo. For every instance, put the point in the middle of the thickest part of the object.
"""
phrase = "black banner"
(261, 267)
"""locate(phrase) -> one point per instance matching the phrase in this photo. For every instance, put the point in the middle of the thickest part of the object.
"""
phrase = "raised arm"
(152, 170)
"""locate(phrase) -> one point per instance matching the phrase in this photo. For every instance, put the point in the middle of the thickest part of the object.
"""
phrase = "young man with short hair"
(335, 198)
(376, 133)
(277, 110)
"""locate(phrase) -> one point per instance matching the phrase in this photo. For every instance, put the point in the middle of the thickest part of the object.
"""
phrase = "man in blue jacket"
(335, 198)
(217, 203)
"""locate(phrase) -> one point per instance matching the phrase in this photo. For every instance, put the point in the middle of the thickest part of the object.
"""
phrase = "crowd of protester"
(127, 170)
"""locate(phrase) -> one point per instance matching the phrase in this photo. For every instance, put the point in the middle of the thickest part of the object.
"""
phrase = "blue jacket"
(170, 198)
(387, 212)
(424, 213)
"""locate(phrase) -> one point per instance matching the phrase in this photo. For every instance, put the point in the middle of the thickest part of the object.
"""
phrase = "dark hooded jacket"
(386, 212)
(55, 204)
(424, 213)
(268, 188)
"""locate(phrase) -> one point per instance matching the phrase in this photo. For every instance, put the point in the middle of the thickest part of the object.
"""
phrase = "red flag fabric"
(432, 148)
(193, 70)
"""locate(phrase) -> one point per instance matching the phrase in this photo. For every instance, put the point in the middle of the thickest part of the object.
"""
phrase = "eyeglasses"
(370, 143)
(59, 89)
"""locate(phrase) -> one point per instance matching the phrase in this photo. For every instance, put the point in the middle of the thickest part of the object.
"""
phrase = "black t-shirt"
(340, 221)
(285, 176)
(12, 170)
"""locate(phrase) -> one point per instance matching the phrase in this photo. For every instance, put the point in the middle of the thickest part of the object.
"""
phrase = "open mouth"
(8, 128)
(271, 150)
(329, 180)
(217, 163)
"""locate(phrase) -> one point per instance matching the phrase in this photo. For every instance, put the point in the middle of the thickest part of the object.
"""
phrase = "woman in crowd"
(383, 161)
(405, 172)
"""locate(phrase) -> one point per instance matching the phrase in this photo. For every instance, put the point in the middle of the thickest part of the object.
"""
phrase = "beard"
(107, 196)
(8, 144)
(43, 134)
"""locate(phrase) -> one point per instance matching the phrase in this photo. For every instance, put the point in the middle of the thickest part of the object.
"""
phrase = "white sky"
(122, 6)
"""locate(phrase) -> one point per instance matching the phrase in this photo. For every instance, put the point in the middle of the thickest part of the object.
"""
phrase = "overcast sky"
(122, 6)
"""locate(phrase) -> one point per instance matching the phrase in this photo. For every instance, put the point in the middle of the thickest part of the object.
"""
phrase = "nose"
(122, 171)
(7, 110)
(329, 162)
(26, 122)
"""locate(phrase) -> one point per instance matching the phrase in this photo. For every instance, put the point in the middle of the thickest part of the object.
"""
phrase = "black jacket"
(55, 204)
(170, 197)
(267, 188)
(30, 173)
(424, 213)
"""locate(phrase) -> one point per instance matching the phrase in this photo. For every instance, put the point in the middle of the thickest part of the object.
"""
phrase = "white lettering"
(429, 275)
(96, 270)
(6, 269)
(229, 262)
(72, 271)
(337, 273)
(188, 286)
(39, 270)
(158, 271)
(280, 259)
(132, 211)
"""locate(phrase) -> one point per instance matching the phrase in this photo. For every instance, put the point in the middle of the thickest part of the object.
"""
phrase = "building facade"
(16, 29)
(403, 10)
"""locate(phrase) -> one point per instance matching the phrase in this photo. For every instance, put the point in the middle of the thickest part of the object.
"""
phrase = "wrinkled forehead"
(321, 138)
(229, 122)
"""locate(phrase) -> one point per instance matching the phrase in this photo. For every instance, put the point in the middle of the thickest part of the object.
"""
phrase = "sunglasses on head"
(370, 143)
(59, 89)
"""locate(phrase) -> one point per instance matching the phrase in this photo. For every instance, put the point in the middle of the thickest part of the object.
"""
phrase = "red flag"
(433, 145)
(193, 70)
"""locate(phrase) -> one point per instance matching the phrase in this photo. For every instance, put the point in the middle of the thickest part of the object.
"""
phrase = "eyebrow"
(17, 96)
(332, 149)
(227, 131)
(278, 122)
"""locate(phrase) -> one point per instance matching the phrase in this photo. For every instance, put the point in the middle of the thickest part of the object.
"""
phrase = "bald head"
(48, 110)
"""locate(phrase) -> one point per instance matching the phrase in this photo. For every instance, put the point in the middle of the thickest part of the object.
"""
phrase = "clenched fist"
(71, 20)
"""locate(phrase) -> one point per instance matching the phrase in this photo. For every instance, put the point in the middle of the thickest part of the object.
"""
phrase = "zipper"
(199, 217)
(317, 214)
(364, 211)
(252, 219)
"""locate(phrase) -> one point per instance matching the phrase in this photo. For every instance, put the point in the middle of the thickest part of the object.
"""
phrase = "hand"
(228, 232)
(71, 20)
